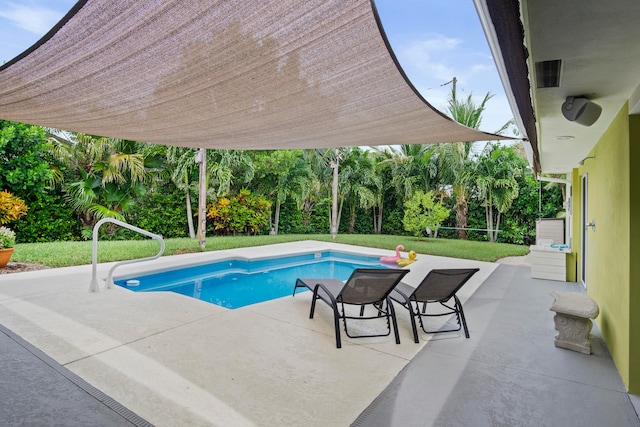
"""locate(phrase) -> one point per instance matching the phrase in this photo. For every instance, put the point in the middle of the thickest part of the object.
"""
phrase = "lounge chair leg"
(313, 306)
(412, 316)
(336, 322)
(392, 313)
(461, 317)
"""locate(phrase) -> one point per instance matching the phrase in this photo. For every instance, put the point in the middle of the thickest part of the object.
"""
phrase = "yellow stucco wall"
(634, 256)
(609, 245)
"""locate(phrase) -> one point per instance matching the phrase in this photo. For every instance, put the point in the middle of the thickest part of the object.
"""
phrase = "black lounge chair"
(365, 286)
(438, 286)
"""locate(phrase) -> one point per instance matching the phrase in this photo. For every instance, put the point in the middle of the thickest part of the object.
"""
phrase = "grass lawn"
(64, 254)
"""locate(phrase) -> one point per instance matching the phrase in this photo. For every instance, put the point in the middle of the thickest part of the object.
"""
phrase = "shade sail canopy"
(242, 74)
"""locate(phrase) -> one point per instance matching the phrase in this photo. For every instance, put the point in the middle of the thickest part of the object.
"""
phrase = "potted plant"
(11, 209)
(7, 243)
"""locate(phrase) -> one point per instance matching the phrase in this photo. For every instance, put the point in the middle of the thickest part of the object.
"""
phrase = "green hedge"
(163, 211)
(49, 219)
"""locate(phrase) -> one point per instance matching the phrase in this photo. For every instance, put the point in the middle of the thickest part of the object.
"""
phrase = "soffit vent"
(548, 73)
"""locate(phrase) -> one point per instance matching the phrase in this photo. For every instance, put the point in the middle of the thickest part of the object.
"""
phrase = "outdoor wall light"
(580, 110)
(581, 162)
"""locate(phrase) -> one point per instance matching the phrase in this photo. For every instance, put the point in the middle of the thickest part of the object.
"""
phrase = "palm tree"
(184, 175)
(455, 159)
(222, 168)
(408, 168)
(226, 168)
(413, 167)
(380, 186)
(496, 173)
(326, 165)
(281, 174)
(104, 175)
(357, 177)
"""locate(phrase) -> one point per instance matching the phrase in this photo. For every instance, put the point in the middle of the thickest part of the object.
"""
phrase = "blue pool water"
(234, 283)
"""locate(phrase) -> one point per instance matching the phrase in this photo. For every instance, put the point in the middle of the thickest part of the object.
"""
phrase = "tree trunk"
(202, 199)
(352, 220)
(339, 214)
(490, 224)
(375, 222)
(487, 220)
(192, 233)
(334, 200)
(379, 227)
(277, 217)
(497, 230)
(87, 219)
(462, 212)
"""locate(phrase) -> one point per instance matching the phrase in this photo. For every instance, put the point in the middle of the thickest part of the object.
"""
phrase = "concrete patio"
(174, 361)
(509, 373)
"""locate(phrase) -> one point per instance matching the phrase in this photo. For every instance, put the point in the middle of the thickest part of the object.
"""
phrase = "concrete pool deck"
(174, 361)
(177, 361)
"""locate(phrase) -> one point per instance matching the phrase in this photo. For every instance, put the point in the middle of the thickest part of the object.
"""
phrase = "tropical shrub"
(243, 213)
(362, 223)
(50, 218)
(422, 212)
(294, 220)
(392, 222)
(11, 207)
(103, 177)
(161, 211)
(24, 156)
(290, 218)
(317, 220)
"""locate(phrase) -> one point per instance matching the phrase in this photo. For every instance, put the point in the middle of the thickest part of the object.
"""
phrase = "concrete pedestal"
(574, 312)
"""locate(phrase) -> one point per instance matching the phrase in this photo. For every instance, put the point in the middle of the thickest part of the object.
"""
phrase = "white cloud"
(435, 43)
(36, 20)
(433, 60)
(429, 56)
(481, 68)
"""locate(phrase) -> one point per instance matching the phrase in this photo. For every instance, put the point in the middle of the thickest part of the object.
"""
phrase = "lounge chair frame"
(432, 290)
(339, 296)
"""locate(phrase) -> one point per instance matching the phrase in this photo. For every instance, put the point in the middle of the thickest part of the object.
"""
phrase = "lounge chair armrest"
(401, 297)
(332, 300)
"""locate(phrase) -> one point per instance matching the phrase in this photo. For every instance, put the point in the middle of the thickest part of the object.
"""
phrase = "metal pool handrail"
(93, 287)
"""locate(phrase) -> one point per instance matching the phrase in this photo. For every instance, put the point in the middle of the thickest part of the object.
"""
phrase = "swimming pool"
(235, 283)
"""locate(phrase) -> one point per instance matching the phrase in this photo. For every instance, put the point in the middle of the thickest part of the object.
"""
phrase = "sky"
(434, 41)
